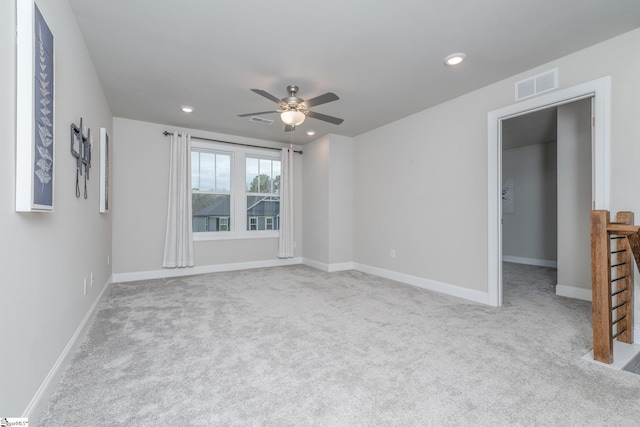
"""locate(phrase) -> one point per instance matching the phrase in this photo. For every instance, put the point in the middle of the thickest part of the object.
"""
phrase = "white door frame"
(600, 90)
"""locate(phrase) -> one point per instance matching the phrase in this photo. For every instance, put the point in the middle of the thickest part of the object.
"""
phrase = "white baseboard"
(179, 272)
(316, 264)
(344, 266)
(573, 292)
(40, 400)
(457, 291)
(329, 268)
(432, 285)
(530, 261)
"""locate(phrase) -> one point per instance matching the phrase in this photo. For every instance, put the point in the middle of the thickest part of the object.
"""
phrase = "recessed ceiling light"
(187, 109)
(311, 132)
(454, 58)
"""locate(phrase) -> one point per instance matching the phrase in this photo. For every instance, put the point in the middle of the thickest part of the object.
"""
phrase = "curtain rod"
(166, 133)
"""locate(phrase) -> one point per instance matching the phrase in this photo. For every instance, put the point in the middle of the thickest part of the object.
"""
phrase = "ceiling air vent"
(537, 84)
(261, 120)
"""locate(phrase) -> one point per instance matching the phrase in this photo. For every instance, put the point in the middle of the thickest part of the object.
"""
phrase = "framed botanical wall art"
(104, 171)
(34, 110)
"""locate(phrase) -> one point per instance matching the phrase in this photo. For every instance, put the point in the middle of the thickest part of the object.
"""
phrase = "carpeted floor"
(294, 346)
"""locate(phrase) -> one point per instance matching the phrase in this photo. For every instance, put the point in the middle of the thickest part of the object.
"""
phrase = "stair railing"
(613, 246)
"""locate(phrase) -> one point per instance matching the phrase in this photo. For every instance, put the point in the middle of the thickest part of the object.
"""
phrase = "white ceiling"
(537, 127)
(383, 58)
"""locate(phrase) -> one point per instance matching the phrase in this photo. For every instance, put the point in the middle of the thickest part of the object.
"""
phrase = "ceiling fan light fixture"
(292, 117)
(293, 110)
(454, 59)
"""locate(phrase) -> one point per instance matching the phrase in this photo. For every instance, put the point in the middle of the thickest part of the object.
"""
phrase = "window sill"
(228, 235)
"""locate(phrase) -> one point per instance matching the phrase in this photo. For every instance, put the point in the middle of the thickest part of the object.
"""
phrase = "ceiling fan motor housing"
(292, 102)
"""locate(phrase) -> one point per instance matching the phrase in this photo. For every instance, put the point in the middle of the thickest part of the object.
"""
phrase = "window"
(235, 191)
(211, 190)
(263, 193)
(253, 223)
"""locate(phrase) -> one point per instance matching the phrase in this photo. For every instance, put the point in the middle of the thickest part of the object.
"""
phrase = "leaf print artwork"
(44, 153)
(45, 121)
(44, 176)
(46, 137)
(44, 166)
(43, 113)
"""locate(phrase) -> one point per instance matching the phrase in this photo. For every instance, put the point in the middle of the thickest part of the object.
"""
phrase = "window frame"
(271, 159)
(253, 222)
(238, 214)
(209, 150)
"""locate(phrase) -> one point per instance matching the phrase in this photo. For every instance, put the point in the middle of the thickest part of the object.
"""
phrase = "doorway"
(600, 90)
(530, 188)
(547, 194)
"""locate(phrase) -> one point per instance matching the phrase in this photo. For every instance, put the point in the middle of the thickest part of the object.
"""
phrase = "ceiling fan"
(294, 110)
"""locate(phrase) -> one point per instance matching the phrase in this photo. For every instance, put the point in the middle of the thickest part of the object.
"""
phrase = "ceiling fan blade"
(289, 128)
(256, 114)
(322, 99)
(266, 95)
(324, 117)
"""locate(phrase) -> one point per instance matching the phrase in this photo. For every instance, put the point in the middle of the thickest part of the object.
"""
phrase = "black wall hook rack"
(82, 154)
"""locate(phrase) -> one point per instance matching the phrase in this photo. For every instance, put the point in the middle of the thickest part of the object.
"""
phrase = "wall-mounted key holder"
(82, 154)
(86, 153)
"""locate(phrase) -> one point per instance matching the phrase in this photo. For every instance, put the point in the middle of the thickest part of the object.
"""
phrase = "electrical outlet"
(392, 253)
(92, 278)
(85, 285)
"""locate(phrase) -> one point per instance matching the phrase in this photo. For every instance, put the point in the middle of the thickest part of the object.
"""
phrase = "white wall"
(420, 188)
(574, 194)
(45, 256)
(328, 202)
(341, 200)
(315, 181)
(425, 177)
(530, 232)
(141, 175)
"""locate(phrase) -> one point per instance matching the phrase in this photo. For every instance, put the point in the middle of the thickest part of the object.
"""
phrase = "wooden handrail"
(612, 308)
(622, 229)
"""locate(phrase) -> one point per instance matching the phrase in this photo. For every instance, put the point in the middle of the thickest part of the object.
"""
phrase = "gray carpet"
(293, 346)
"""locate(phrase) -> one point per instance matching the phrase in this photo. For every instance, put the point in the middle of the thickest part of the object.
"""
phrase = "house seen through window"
(235, 193)
(211, 190)
(263, 193)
